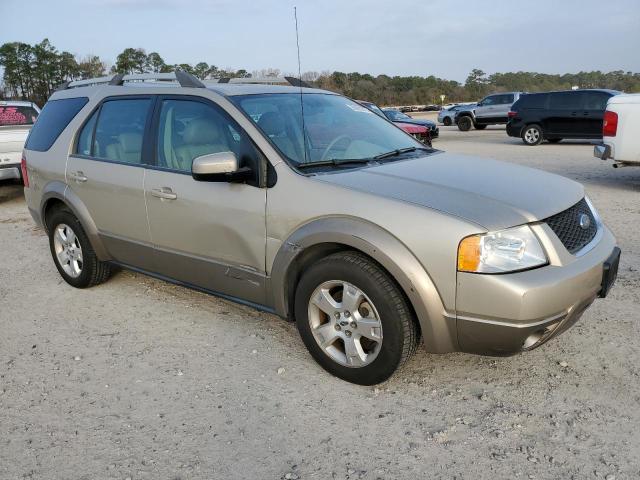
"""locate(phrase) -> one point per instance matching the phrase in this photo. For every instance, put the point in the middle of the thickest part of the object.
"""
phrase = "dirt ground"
(139, 379)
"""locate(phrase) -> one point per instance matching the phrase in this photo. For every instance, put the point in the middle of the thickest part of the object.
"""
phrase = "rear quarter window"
(53, 119)
(532, 100)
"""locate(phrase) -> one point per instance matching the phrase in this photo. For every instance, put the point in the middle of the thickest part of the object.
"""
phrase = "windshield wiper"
(334, 162)
(399, 151)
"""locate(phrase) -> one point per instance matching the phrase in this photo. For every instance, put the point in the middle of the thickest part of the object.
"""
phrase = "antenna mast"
(304, 132)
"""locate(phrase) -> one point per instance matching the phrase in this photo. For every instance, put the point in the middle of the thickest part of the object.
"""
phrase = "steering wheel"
(333, 144)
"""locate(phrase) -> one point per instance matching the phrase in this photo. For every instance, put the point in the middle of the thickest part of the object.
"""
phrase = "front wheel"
(447, 121)
(532, 135)
(354, 319)
(465, 124)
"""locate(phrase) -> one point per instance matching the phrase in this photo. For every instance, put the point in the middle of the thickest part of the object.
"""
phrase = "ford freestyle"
(304, 203)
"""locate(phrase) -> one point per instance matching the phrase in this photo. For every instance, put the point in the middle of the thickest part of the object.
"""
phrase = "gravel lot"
(140, 379)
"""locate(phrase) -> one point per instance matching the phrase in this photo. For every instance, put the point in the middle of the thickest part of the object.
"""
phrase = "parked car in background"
(621, 131)
(431, 108)
(299, 202)
(398, 117)
(16, 119)
(491, 110)
(447, 115)
(417, 131)
(553, 116)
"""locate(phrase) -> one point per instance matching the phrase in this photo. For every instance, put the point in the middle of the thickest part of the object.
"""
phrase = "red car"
(417, 131)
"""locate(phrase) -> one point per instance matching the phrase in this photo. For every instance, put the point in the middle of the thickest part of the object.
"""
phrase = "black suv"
(553, 116)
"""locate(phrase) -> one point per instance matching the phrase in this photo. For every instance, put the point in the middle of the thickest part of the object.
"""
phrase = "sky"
(445, 38)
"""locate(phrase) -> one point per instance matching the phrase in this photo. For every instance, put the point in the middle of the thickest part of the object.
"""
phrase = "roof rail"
(293, 81)
(185, 79)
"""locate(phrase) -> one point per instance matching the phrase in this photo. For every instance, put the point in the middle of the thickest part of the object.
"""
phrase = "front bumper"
(506, 314)
(10, 172)
(603, 152)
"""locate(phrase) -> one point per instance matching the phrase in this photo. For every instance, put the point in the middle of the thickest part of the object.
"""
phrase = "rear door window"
(53, 119)
(17, 115)
(565, 101)
(120, 130)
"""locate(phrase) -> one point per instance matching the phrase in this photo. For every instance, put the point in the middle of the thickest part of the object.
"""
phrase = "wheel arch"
(57, 195)
(325, 236)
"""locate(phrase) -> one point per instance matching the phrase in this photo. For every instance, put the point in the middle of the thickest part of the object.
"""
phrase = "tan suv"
(304, 203)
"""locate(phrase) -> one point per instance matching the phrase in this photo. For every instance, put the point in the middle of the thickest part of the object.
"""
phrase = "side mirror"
(219, 167)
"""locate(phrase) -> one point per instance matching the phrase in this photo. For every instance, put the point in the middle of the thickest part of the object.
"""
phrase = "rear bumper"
(603, 152)
(10, 172)
(506, 314)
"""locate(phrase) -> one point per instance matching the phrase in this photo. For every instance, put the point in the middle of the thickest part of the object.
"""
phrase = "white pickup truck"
(16, 119)
(621, 131)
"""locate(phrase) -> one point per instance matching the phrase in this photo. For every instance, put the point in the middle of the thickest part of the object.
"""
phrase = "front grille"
(567, 226)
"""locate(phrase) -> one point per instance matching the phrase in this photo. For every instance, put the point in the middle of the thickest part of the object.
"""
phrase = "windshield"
(396, 115)
(375, 109)
(17, 115)
(335, 128)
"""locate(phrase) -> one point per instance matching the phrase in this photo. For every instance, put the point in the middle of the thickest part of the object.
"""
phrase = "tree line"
(34, 71)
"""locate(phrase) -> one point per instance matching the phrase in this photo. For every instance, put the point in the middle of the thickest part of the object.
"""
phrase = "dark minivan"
(553, 116)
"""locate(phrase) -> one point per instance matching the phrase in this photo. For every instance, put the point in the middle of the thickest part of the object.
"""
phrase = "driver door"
(207, 234)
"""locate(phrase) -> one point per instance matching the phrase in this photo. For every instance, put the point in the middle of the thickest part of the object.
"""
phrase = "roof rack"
(185, 79)
(293, 81)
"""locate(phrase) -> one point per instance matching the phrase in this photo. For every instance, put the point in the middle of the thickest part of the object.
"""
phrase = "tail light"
(512, 114)
(25, 174)
(610, 124)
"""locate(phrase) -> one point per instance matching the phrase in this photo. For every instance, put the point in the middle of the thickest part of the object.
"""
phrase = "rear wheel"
(72, 252)
(447, 121)
(480, 127)
(354, 319)
(465, 123)
(532, 135)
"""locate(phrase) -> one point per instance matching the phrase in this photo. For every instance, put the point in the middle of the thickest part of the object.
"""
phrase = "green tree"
(131, 60)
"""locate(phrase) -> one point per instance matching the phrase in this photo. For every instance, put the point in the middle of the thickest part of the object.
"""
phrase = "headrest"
(130, 142)
(271, 123)
(202, 131)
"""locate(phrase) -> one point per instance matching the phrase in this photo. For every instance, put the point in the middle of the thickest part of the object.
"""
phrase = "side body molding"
(438, 327)
(60, 191)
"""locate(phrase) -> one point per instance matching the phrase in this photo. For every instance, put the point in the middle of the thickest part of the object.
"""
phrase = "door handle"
(78, 177)
(164, 193)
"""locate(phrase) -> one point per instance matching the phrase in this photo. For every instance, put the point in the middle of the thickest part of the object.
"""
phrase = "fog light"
(539, 336)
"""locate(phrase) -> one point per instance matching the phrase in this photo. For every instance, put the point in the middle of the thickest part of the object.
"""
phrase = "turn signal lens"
(469, 254)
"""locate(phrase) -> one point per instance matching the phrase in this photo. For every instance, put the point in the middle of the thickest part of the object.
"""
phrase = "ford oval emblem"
(585, 221)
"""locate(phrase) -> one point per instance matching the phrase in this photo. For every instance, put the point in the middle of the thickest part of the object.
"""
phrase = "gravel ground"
(140, 379)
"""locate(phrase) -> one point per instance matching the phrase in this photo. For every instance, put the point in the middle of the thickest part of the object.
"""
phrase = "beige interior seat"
(201, 137)
(272, 124)
(128, 148)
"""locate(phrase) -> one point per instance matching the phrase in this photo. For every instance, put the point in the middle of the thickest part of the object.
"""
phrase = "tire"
(465, 123)
(480, 127)
(532, 135)
(69, 242)
(554, 140)
(447, 121)
(380, 302)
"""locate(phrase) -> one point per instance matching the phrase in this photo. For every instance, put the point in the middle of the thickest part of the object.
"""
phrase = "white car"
(16, 119)
(620, 128)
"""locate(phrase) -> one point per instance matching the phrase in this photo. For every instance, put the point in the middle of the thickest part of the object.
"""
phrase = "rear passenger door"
(208, 234)
(565, 116)
(595, 103)
(106, 171)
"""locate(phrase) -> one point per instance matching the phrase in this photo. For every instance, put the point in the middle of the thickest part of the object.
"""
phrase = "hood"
(487, 192)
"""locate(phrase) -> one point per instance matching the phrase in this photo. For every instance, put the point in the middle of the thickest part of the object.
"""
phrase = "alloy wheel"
(68, 250)
(345, 323)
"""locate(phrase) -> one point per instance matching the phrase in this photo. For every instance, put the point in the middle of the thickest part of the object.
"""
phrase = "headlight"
(504, 251)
